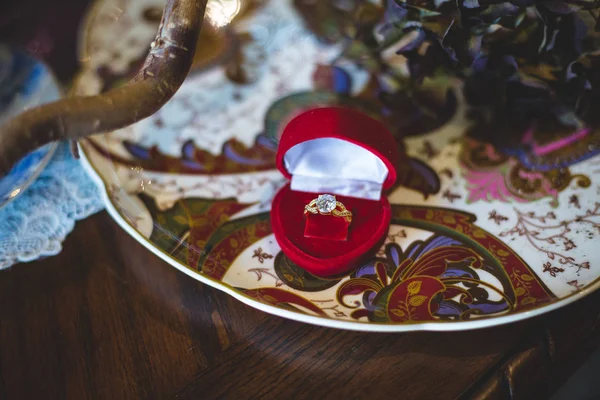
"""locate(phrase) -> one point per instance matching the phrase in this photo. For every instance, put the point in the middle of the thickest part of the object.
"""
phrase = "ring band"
(326, 204)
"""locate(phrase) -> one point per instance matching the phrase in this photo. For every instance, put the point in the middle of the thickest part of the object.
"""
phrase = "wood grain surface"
(106, 319)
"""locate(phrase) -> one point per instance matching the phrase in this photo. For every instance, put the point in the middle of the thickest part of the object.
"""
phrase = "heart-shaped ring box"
(345, 153)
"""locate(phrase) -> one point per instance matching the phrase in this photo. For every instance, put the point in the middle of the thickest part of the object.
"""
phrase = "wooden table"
(105, 319)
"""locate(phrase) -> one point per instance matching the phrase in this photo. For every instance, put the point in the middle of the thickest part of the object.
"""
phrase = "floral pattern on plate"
(477, 239)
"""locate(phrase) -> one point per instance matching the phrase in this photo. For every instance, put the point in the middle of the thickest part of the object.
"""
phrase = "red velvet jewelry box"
(343, 152)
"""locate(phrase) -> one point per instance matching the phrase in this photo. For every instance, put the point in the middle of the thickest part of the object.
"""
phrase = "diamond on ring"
(327, 204)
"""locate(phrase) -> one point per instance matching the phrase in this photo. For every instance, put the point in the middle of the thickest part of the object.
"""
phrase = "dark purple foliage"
(523, 60)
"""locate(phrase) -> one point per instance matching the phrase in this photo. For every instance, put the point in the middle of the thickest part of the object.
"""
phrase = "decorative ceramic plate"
(478, 237)
(24, 83)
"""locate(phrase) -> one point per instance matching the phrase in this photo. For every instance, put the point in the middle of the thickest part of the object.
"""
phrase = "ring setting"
(327, 204)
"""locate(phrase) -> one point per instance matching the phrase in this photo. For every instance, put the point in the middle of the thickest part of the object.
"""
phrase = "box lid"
(339, 151)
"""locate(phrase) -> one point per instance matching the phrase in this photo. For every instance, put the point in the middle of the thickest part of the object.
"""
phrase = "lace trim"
(36, 223)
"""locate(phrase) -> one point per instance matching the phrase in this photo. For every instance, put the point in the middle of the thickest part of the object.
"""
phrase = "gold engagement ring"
(326, 204)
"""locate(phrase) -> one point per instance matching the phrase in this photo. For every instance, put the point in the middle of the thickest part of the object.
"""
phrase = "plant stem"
(164, 70)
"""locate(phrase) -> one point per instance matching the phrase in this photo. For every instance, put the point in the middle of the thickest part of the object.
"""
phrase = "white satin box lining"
(335, 166)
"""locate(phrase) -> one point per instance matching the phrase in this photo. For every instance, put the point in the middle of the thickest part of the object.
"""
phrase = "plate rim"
(328, 322)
